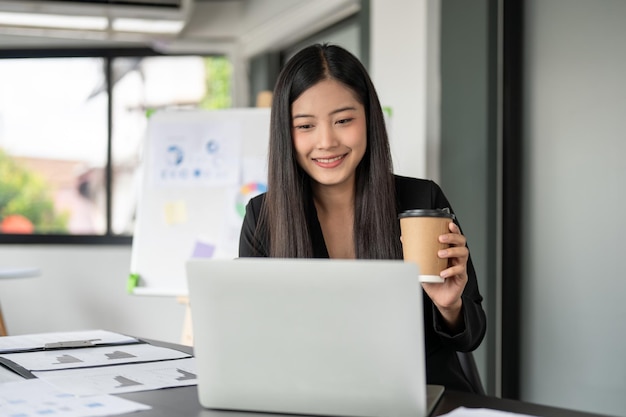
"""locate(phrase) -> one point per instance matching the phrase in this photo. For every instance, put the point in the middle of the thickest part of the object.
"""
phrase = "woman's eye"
(344, 121)
(303, 127)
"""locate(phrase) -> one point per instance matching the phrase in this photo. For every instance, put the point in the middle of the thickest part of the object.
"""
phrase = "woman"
(332, 194)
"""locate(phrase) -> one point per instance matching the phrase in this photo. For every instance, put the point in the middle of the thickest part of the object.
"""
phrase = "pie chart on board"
(246, 192)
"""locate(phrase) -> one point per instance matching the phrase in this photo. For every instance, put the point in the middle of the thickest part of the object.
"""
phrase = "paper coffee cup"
(420, 230)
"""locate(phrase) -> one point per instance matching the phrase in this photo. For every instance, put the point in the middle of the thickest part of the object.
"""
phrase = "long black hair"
(289, 194)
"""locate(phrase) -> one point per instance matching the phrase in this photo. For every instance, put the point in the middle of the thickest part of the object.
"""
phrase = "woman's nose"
(327, 138)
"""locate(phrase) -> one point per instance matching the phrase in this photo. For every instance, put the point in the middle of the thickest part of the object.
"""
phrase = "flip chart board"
(199, 170)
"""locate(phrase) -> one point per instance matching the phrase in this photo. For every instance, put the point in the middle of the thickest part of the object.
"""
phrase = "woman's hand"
(447, 295)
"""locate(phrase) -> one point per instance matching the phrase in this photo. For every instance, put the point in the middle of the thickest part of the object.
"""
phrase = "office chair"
(466, 359)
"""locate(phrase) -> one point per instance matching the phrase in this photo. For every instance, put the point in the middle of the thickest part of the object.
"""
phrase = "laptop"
(310, 336)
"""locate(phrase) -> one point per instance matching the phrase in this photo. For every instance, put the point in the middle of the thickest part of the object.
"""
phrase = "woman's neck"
(334, 199)
(335, 212)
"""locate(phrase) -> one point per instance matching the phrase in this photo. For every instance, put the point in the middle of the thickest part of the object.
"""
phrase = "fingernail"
(442, 253)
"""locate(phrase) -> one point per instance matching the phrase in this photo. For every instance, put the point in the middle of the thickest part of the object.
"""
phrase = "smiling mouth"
(329, 160)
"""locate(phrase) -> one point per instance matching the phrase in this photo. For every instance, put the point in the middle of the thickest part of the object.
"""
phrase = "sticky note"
(175, 212)
(203, 250)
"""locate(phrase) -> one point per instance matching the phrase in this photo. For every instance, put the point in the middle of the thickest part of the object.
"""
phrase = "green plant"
(25, 193)
(218, 83)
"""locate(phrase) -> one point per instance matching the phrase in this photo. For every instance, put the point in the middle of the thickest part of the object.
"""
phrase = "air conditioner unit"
(117, 15)
(155, 9)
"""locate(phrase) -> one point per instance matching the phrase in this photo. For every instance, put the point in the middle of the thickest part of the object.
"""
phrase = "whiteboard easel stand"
(242, 136)
(186, 337)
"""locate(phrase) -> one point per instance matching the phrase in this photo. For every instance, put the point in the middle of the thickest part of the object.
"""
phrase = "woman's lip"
(330, 162)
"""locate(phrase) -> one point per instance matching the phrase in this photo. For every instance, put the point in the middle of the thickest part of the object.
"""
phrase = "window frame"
(108, 54)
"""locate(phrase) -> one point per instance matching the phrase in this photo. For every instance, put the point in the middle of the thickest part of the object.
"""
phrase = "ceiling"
(249, 26)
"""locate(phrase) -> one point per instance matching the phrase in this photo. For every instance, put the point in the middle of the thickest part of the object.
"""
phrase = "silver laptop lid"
(326, 337)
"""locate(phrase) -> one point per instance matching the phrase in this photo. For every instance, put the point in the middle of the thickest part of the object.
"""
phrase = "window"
(71, 134)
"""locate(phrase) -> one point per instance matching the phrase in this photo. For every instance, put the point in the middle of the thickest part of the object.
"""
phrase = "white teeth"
(329, 160)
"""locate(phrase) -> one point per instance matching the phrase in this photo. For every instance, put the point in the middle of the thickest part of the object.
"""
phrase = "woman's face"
(329, 133)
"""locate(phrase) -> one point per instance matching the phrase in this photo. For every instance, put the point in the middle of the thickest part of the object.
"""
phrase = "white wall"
(573, 352)
(398, 70)
(81, 287)
(84, 287)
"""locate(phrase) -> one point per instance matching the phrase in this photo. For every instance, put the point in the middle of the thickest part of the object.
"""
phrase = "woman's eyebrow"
(339, 110)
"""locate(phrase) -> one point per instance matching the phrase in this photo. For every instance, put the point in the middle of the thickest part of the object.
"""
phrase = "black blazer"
(442, 364)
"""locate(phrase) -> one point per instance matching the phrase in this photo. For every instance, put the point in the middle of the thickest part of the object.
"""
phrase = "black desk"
(183, 402)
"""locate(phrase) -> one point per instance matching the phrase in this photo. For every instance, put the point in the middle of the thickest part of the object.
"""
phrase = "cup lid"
(427, 213)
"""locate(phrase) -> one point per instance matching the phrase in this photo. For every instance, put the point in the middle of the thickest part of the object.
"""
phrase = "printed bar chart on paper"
(123, 378)
(96, 356)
